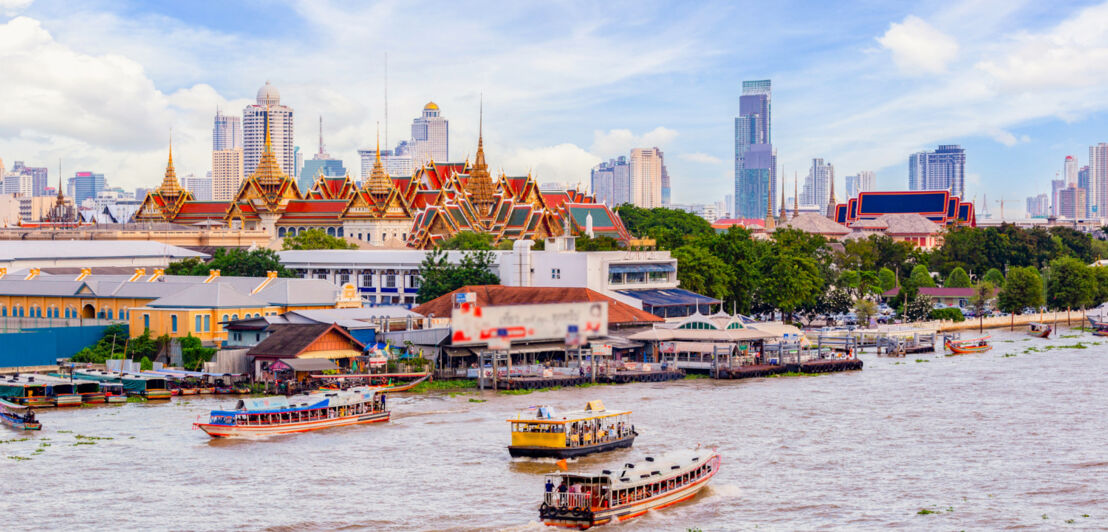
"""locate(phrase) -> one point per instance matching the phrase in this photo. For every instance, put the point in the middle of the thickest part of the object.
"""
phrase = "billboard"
(473, 324)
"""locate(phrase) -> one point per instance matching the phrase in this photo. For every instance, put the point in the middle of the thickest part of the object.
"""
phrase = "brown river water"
(985, 441)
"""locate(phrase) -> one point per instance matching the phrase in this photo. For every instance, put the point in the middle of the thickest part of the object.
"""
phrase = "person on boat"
(549, 485)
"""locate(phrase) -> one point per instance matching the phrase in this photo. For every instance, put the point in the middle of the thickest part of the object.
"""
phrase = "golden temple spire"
(784, 214)
(796, 197)
(379, 182)
(769, 205)
(170, 185)
(480, 185)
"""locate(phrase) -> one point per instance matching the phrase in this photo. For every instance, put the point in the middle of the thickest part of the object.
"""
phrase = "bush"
(948, 314)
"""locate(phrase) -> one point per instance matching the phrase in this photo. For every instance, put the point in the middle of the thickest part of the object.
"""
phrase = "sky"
(98, 85)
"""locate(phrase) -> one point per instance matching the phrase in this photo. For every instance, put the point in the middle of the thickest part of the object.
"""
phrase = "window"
(415, 281)
(367, 279)
(199, 323)
(207, 323)
(146, 321)
(173, 323)
(555, 273)
(4, 311)
(108, 313)
(390, 281)
(321, 275)
(234, 317)
(344, 278)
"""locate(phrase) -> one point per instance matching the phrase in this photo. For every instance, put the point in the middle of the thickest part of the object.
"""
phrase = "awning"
(331, 354)
(617, 342)
(303, 364)
(670, 297)
(641, 268)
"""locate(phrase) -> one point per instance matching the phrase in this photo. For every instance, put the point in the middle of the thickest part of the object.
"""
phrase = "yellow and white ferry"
(542, 433)
(582, 501)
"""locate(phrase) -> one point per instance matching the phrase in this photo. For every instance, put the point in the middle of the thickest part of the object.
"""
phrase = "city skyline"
(931, 77)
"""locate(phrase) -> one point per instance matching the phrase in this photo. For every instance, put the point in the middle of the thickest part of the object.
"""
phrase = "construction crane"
(1001, 202)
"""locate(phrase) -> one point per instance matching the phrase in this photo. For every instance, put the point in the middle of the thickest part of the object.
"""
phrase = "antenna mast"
(386, 100)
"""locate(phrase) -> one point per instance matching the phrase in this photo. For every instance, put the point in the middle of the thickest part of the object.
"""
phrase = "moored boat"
(1039, 330)
(969, 346)
(152, 387)
(542, 433)
(114, 392)
(300, 413)
(70, 391)
(25, 390)
(582, 501)
(17, 416)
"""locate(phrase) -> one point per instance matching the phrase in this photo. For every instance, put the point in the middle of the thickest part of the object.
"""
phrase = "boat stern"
(581, 519)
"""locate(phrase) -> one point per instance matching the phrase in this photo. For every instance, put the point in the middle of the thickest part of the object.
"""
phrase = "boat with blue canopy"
(323, 409)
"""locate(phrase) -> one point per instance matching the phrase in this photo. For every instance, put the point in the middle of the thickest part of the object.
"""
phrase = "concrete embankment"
(1075, 318)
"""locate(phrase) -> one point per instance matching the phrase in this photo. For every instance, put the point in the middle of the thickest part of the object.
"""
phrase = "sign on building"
(473, 324)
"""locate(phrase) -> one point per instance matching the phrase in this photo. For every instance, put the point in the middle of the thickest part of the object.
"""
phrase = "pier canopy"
(666, 301)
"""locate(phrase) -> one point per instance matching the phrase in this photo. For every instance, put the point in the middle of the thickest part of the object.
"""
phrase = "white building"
(280, 130)
(817, 186)
(226, 131)
(646, 177)
(430, 137)
(227, 174)
(391, 277)
(18, 183)
(201, 187)
(395, 165)
(863, 181)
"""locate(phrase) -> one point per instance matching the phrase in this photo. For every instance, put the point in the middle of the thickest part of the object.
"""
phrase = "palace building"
(437, 202)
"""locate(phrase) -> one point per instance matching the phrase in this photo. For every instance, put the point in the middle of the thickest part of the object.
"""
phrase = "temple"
(439, 201)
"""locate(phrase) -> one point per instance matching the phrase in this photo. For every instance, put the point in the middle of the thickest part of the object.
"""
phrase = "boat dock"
(536, 382)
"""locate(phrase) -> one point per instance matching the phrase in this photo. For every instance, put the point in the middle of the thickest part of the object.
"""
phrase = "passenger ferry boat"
(972, 345)
(1039, 330)
(18, 417)
(114, 393)
(77, 391)
(300, 413)
(25, 390)
(542, 433)
(152, 387)
(583, 501)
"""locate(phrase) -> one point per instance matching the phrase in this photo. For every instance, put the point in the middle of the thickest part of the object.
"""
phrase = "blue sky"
(1019, 84)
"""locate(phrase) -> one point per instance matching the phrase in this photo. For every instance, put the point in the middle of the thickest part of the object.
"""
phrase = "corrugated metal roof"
(213, 295)
(90, 249)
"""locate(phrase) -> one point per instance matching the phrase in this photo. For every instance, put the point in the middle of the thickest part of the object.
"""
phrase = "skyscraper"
(665, 186)
(1083, 184)
(1056, 186)
(611, 182)
(227, 131)
(1071, 203)
(40, 177)
(646, 177)
(254, 117)
(1098, 180)
(430, 137)
(942, 169)
(863, 181)
(1038, 206)
(227, 174)
(1071, 171)
(200, 187)
(754, 179)
(321, 162)
(85, 185)
(817, 186)
(397, 162)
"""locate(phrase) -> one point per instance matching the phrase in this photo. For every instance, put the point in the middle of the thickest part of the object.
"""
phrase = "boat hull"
(116, 399)
(569, 452)
(246, 431)
(97, 398)
(1040, 334)
(959, 350)
(68, 400)
(20, 425)
(157, 395)
(588, 518)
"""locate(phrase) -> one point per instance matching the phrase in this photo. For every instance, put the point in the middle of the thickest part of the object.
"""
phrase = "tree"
(982, 293)
(671, 228)
(316, 239)
(918, 308)
(1023, 288)
(957, 279)
(234, 262)
(467, 240)
(921, 277)
(1071, 283)
(597, 243)
(111, 342)
(994, 276)
(865, 310)
(439, 276)
(701, 272)
(793, 281)
(1100, 275)
(887, 279)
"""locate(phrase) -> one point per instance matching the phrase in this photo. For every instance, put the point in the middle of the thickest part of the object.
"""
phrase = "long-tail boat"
(1039, 330)
(583, 501)
(321, 409)
(19, 417)
(969, 346)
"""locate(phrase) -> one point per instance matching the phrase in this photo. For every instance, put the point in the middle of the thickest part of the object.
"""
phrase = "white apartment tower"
(227, 174)
(1098, 180)
(254, 118)
(646, 177)
(226, 131)
(430, 137)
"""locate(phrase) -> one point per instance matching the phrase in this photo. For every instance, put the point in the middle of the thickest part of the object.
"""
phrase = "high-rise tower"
(254, 118)
(430, 137)
(226, 131)
(755, 157)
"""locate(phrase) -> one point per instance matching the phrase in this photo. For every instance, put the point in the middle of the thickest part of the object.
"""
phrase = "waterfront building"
(755, 157)
(1071, 203)
(200, 187)
(1039, 206)
(85, 185)
(611, 182)
(646, 166)
(226, 132)
(227, 173)
(430, 137)
(817, 185)
(1098, 180)
(942, 169)
(267, 114)
(863, 181)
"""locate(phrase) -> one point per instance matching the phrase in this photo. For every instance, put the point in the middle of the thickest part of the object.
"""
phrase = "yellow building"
(173, 305)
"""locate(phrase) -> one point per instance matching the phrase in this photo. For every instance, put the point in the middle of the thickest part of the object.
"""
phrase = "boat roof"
(547, 415)
(11, 406)
(175, 372)
(23, 380)
(317, 399)
(649, 470)
(56, 379)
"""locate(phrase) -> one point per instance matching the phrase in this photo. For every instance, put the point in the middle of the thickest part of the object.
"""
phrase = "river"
(1007, 439)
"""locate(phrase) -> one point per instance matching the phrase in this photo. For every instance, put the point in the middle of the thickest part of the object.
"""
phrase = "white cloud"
(11, 7)
(564, 163)
(617, 142)
(919, 48)
(700, 157)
